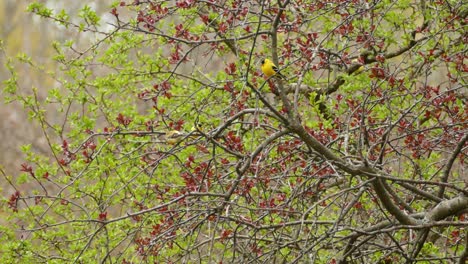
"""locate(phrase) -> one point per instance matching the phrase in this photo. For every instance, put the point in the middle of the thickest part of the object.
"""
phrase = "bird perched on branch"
(173, 137)
(270, 69)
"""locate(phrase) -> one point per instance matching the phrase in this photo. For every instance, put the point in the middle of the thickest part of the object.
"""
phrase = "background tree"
(22, 33)
(359, 156)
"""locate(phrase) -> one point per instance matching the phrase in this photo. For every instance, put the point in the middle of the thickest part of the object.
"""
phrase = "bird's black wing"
(275, 68)
(278, 73)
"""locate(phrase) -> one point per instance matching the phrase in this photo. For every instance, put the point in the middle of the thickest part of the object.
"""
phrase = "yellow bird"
(270, 69)
(197, 127)
(361, 67)
(173, 137)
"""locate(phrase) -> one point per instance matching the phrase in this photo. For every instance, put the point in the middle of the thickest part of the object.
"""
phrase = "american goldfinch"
(173, 137)
(197, 127)
(356, 63)
(270, 69)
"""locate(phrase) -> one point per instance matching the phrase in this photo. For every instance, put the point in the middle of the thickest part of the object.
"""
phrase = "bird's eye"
(263, 61)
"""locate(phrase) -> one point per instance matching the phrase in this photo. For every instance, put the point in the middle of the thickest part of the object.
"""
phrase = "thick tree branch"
(378, 185)
(441, 211)
(448, 208)
(397, 198)
(391, 207)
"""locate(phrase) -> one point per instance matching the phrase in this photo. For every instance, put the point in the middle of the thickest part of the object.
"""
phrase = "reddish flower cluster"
(123, 120)
(13, 201)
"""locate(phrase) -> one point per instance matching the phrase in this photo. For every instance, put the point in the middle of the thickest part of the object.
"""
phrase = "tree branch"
(448, 208)
(449, 165)
(464, 256)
